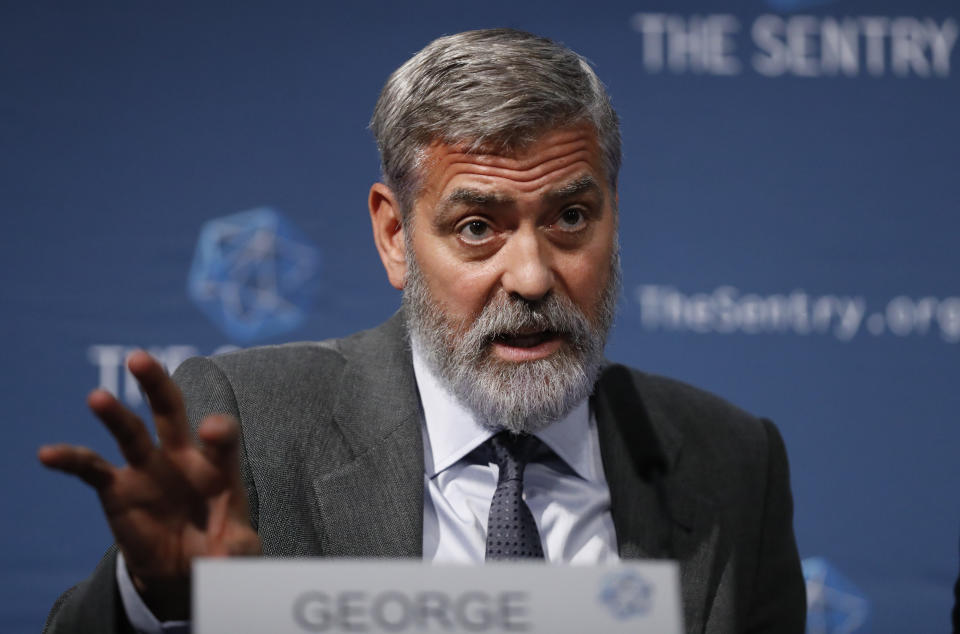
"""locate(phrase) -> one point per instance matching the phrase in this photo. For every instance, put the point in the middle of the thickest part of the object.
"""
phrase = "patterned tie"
(511, 531)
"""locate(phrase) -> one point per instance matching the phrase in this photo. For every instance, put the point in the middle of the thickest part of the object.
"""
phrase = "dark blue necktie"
(511, 531)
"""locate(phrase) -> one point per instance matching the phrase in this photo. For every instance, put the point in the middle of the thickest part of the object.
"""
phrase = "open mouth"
(527, 346)
(526, 340)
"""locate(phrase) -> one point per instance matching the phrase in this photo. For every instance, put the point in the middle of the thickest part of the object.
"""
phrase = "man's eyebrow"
(475, 198)
(582, 185)
(480, 199)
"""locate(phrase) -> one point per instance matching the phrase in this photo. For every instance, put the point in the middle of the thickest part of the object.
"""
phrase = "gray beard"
(522, 397)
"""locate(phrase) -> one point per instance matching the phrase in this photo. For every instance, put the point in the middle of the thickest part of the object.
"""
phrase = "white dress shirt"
(566, 491)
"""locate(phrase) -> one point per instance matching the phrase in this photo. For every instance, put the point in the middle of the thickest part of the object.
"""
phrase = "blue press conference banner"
(192, 177)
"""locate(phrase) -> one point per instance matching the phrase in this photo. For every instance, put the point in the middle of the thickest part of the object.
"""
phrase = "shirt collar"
(451, 430)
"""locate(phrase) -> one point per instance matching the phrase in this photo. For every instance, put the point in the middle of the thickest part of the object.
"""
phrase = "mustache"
(509, 316)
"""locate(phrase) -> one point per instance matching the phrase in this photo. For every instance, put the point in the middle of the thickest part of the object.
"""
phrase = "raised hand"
(173, 501)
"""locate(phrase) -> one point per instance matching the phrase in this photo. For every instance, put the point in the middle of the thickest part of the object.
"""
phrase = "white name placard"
(300, 596)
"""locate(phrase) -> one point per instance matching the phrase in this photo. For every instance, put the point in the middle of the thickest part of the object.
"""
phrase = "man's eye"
(475, 231)
(571, 219)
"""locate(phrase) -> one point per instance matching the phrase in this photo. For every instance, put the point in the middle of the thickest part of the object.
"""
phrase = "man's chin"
(526, 392)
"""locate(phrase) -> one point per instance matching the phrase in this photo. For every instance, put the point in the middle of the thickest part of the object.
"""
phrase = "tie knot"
(512, 452)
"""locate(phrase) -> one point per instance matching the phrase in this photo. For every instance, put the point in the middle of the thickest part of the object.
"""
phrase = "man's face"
(513, 275)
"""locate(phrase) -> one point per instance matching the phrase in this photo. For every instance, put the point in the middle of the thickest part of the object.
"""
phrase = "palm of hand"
(173, 501)
(176, 507)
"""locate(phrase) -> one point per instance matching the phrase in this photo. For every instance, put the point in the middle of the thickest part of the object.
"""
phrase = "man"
(497, 217)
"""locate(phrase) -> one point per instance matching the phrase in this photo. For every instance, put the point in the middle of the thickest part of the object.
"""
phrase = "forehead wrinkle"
(538, 178)
(551, 164)
(526, 158)
(551, 146)
(533, 173)
(549, 141)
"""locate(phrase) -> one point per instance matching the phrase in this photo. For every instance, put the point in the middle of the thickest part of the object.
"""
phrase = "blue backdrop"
(789, 229)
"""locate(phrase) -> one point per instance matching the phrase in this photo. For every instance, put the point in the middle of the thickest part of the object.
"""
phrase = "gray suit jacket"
(333, 465)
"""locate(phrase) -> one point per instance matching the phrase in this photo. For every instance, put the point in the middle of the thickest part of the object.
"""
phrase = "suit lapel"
(656, 514)
(635, 458)
(372, 504)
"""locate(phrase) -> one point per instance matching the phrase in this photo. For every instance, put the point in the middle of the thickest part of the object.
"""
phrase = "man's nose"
(528, 268)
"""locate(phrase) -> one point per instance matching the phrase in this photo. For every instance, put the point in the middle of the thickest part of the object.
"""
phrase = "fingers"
(126, 427)
(164, 397)
(220, 435)
(84, 463)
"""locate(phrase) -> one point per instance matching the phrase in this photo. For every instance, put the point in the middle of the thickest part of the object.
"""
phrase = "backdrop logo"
(254, 274)
(795, 5)
(626, 594)
(834, 604)
(796, 44)
(727, 310)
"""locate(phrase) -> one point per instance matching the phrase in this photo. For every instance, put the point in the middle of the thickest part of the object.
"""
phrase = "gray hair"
(497, 90)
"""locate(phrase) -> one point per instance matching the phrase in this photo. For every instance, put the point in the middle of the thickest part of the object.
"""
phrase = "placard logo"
(626, 594)
(254, 274)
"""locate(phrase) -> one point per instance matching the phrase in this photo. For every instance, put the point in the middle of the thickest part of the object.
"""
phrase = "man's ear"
(388, 233)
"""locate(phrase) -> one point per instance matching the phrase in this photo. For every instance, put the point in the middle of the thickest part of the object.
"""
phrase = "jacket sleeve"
(93, 605)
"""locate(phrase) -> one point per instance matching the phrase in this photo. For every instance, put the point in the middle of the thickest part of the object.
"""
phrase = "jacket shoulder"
(298, 363)
(715, 435)
(689, 403)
